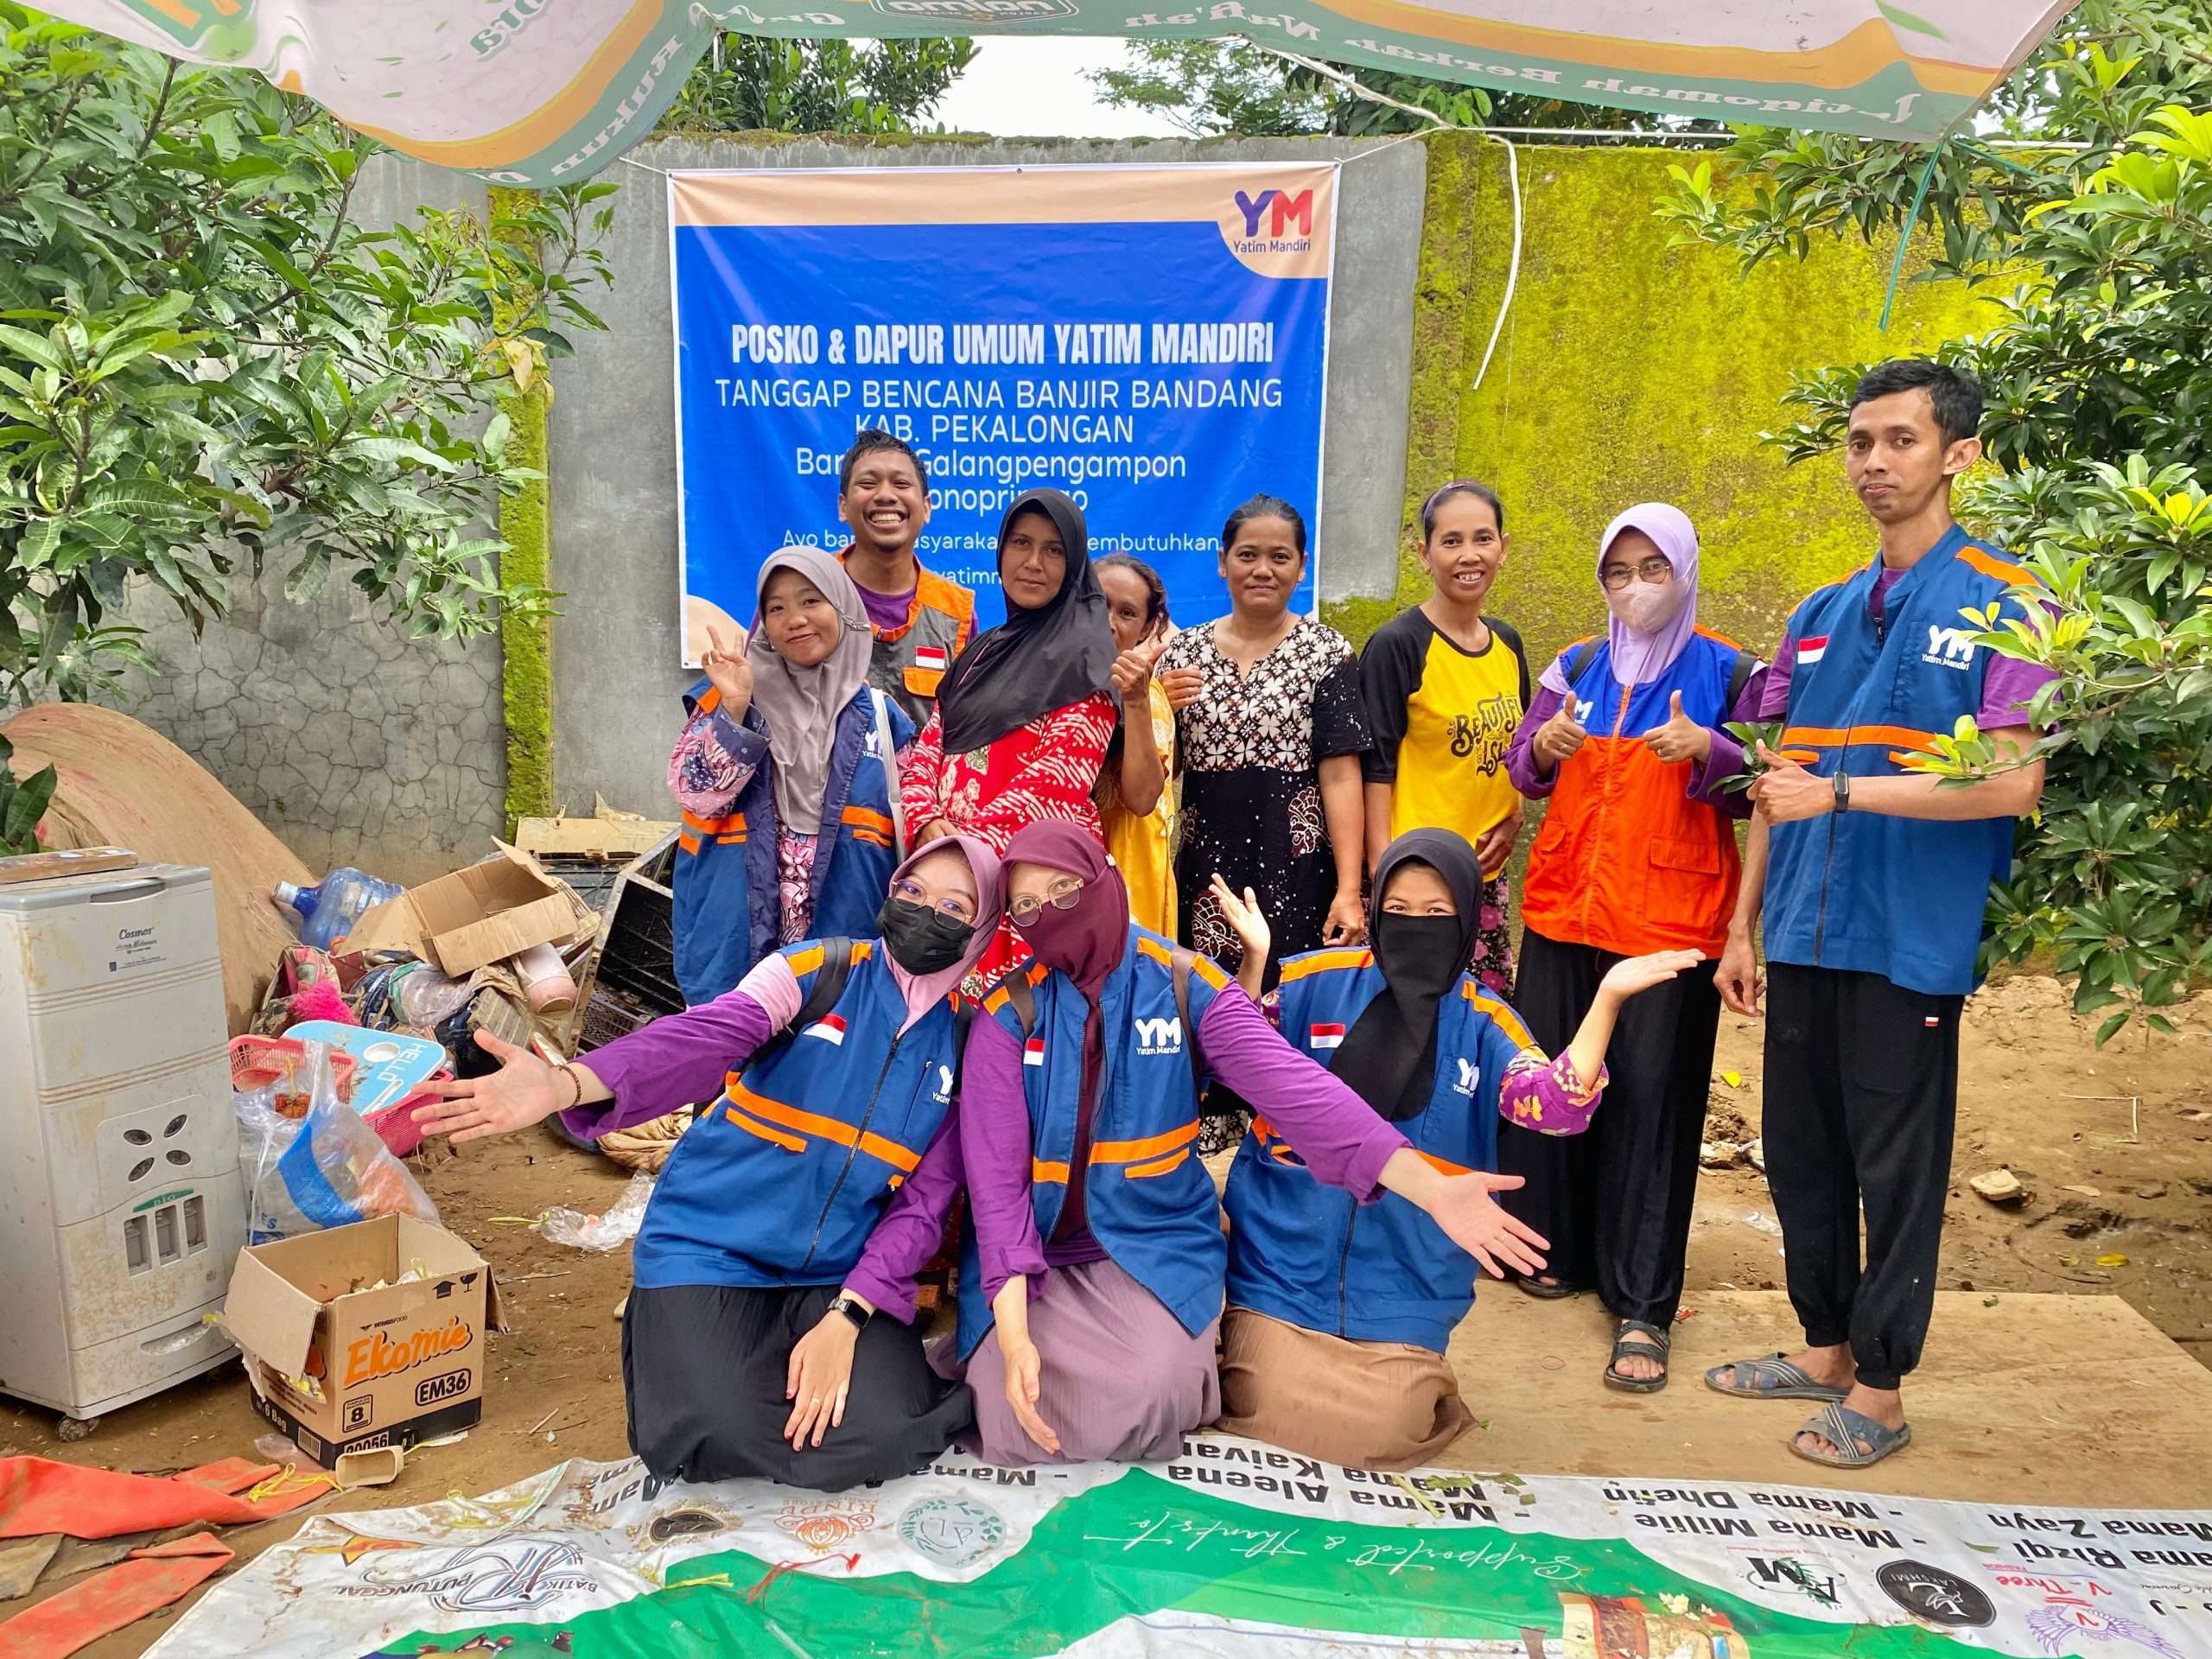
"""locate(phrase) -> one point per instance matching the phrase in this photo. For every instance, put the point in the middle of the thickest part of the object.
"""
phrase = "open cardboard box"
(481, 914)
(343, 1359)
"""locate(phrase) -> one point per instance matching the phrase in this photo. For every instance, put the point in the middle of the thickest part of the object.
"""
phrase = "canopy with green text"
(549, 91)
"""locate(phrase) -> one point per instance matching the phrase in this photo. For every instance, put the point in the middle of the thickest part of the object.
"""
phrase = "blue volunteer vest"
(1903, 897)
(727, 909)
(1149, 1202)
(782, 1180)
(1318, 1258)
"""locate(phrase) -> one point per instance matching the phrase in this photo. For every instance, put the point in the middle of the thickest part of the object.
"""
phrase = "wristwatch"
(849, 1305)
(1843, 792)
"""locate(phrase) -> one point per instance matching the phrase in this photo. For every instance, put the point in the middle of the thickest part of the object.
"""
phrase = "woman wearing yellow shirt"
(1445, 687)
(1143, 846)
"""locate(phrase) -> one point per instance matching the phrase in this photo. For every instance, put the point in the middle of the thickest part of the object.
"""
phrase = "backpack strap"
(829, 982)
(1580, 658)
(1179, 970)
(1738, 677)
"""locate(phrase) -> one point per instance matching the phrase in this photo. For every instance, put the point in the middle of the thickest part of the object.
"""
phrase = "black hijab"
(1035, 661)
(1389, 1056)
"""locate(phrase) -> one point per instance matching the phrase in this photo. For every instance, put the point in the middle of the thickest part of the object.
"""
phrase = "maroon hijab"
(1086, 941)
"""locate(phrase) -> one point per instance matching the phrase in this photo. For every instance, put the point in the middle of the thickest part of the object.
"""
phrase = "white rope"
(1359, 89)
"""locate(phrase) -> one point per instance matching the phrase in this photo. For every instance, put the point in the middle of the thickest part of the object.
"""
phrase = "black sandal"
(1543, 1291)
(1655, 1349)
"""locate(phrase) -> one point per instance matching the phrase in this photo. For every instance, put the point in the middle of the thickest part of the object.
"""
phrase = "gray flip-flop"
(1770, 1376)
(1843, 1428)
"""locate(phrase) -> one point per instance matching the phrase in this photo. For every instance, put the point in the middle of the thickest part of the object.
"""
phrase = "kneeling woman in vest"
(798, 1212)
(785, 772)
(1091, 1296)
(1338, 1315)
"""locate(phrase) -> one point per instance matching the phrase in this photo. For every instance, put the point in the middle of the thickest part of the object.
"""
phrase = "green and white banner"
(548, 91)
(1233, 1550)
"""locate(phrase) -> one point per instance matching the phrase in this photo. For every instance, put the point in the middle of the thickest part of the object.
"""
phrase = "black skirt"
(703, 1369)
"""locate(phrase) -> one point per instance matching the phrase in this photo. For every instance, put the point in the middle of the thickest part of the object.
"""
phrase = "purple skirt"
(1122, 1382)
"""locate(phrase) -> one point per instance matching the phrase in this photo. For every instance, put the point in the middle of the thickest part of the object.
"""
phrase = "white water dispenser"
(121, 1207)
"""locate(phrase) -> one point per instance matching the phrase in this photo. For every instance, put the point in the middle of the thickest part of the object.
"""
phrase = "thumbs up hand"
(1787, 793)
(1680, 738)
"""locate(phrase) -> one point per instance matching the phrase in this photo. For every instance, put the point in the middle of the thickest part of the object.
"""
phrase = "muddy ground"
(2114, 1145)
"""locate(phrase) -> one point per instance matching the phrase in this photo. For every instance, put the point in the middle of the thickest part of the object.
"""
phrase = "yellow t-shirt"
(1442, 720)
(1144, 848)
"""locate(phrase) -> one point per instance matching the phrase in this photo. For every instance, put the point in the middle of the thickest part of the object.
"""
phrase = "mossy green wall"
(1629, 372)
(526, 645)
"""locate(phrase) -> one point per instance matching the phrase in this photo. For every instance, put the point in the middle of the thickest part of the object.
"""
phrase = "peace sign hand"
(728, 670)
(1787, 793)
(1680, 738)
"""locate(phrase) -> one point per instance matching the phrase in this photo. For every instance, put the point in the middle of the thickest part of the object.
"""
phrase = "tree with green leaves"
(208, 356)
(2098, 253)
(1213, 88)
(751, 83)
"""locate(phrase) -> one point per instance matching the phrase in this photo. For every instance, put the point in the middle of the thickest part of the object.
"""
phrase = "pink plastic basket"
(256, 1062)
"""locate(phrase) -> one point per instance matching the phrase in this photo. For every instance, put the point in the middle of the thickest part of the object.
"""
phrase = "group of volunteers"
(1042, 915)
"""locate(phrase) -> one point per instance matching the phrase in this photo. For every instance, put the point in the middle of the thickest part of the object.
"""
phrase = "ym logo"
(1470, 1074)
(1160, 1036)
(1949, 648)
(944, 1085)
(1285, 210)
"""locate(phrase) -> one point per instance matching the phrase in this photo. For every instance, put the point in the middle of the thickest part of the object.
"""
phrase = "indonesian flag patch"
(930, 656)
(1325, 1036)
(1811, 651)
(831, 1027)
(1033, 1052)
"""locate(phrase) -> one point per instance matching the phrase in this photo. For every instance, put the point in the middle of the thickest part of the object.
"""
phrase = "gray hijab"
(801, 705)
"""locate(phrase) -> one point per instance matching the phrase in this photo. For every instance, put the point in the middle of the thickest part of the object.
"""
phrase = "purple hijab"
(1640, 655)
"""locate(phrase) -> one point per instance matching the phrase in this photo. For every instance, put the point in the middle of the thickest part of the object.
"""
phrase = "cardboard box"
(344, 1357)
(482, 914)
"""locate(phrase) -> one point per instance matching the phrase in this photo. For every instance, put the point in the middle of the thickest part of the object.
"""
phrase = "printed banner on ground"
(1151, 339)
(528, 92)
(1229, 1552)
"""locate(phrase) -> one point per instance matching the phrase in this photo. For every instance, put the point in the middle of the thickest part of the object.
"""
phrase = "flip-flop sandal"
(1552, 1292)
(1770, 1376)
(1622, 1348)
(1843, 1428)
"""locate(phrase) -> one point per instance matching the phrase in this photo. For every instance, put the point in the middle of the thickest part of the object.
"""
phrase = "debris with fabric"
(148, 1579)
(38, 1495)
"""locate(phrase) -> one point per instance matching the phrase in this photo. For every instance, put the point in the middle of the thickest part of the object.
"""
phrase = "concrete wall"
(615, 649)
(354, 744)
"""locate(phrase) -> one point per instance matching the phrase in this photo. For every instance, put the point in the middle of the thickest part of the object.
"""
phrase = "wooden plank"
(45, 866)
(2036, 1400)
(593, 837)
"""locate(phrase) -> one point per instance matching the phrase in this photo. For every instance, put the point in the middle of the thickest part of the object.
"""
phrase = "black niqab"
(1389, 1056)
(1035, 661)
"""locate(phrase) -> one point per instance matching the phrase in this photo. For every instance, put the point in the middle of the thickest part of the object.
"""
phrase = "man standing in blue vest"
(1873, 878)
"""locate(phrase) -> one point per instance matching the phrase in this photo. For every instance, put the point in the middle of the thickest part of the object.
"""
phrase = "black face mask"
(921, 940)
(1421, 956)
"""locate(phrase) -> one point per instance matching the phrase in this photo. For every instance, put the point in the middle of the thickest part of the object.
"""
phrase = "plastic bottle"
(329, 909)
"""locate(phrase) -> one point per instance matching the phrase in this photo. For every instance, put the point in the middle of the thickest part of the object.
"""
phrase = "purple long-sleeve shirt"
(1708, 777)
(1339, 1136)
(682, 1058)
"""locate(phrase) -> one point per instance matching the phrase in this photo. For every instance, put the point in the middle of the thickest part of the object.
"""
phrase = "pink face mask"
(1648, 607)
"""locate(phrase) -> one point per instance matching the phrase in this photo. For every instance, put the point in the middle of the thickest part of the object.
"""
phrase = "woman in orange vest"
(1638, 854)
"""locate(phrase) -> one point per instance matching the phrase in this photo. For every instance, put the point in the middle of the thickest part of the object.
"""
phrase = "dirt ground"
(2114, 1145)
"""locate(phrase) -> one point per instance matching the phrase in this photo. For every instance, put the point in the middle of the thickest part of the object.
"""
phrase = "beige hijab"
(801, 705)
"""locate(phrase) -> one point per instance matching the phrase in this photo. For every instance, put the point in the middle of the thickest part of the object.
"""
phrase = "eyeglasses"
(1618, 577)
(1024, 910)
(910, 893)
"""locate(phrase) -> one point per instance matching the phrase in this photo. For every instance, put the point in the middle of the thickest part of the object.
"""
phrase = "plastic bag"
(608, 1232)
(325, 1169)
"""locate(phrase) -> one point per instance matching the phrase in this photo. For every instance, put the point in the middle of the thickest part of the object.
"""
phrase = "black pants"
(703, 1369)
(1862, 1092)
(1615, 1200)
